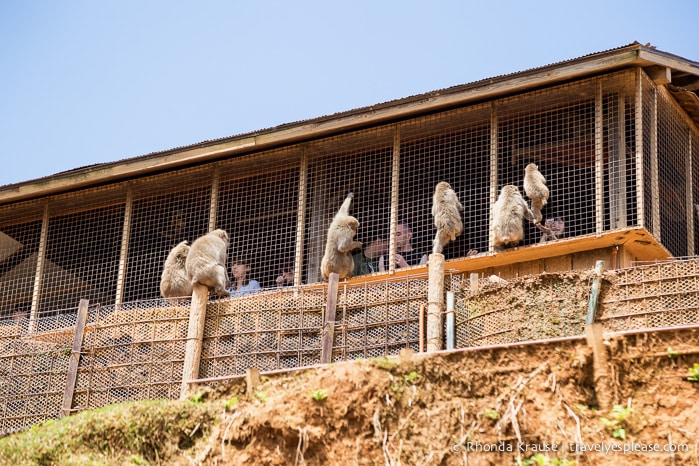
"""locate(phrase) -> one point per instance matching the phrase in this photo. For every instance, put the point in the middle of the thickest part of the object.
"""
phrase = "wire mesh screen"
(673, 175)
(662, 294)
(359, 163)
(259, 210)
(452, 147)
(82, 257)
(19, 254)
(166, 210)
(694, 141)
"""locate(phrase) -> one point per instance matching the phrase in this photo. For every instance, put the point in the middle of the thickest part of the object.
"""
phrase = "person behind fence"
(406, 254)
(286, 277)
(241, 283)
(367, 259)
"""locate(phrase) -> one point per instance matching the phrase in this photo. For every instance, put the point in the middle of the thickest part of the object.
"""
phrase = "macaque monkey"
(206, 262)
(446, 210)
(341, 242)
(535, 188)
(508, 213)
(174, 282)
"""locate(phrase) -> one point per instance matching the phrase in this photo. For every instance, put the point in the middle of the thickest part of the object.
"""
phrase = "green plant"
(197, 398)
(230, 403)
(616, 425)
(261, 396)
(319, 395)
(385, 363)
(694, 373)
(671, 353)
(491, 414)
(413, 378)
(542, 460)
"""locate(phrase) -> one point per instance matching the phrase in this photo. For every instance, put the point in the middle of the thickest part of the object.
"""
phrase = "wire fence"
(136, 351)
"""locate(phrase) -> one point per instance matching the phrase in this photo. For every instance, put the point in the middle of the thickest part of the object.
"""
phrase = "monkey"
(508, 212)
(206, 262)
(536, 190)
(553, 228)
(340, 242)
(446, 210)
(174, 282)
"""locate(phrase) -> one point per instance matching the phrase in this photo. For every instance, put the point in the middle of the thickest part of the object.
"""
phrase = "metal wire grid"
(260, 213)
(694, 142)
(165, 210)
(549, 306)
(673, 176)
(654, 295)
(453, 147)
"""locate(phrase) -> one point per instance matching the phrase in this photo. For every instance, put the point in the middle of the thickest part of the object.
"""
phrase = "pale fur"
(535, 188)
(341, 243)
(446, 210)
(206, 262)
(508, 212)
(174, 282)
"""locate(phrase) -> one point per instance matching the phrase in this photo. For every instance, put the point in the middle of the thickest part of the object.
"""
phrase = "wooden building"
(615, 133)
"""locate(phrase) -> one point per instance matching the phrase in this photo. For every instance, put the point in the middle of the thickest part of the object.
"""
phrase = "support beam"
(195, 336)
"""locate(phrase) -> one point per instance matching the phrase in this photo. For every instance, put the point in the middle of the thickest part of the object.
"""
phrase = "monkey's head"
(531, 167)
(221, 234)
(510, 190)
(181, 252)
(442, 186)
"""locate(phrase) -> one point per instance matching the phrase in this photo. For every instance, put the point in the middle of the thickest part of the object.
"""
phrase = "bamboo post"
(326, 349)
(195, 335)
(75, 358)
(435, 302)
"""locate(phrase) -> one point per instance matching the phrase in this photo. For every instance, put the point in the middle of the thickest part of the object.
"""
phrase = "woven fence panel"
(530, 308)
(33, 373)
(664, 294)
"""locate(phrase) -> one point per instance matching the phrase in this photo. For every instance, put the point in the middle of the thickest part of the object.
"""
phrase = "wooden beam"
(328, 338)
(659, 74)
(195, 335)
(435, 302)
(75, 358)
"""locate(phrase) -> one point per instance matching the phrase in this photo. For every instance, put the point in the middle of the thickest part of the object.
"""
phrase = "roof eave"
(632, 55)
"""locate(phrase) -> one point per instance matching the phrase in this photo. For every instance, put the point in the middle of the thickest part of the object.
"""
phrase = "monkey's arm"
(348, 244)
(345, 208)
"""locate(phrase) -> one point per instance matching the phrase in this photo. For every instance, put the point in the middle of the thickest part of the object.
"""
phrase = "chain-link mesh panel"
(453, 147)
(19, 255)
(166, 210)
(654, 295)
(496, 311)
(259, 210)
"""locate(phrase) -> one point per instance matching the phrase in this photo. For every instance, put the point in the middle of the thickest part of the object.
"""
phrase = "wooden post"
(435, 302)
(195, 335)
(593, 334)
(326, 349)
(75, 357)
(252, 380)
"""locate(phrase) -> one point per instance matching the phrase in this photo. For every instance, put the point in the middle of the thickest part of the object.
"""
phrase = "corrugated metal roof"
(456, 89)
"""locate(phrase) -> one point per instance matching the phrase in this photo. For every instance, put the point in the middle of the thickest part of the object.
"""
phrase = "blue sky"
(85, 82)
